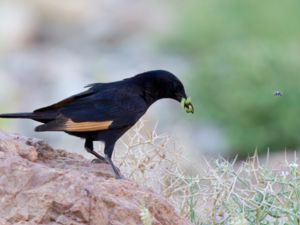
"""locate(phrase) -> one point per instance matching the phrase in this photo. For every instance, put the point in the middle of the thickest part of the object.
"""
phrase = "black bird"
(106, 111)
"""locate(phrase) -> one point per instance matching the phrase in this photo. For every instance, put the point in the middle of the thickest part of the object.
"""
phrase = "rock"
(39, 185)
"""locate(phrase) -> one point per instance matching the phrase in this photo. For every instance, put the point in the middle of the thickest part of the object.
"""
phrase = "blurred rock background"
(231, 55)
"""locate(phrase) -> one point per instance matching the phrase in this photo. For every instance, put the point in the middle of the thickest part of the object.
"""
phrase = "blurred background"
(231, 55)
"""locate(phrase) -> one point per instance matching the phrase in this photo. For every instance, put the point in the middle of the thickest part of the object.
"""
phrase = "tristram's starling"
(105, 111)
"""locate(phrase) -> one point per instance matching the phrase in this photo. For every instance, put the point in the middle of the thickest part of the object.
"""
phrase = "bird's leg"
(90, 149)
(108, 154)
(115, 169)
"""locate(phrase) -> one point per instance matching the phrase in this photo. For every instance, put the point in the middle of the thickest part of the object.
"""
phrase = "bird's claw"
(120, 177)
(96, 161)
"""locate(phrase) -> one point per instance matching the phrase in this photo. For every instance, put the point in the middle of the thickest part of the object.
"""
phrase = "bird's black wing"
(107, 109)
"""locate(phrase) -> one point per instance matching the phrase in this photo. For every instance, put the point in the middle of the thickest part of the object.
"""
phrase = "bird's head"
(160, 84)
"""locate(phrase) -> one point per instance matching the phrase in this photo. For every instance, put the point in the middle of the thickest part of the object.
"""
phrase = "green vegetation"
(219, 192)
(240, 52)
(145, 216)
(248, 194)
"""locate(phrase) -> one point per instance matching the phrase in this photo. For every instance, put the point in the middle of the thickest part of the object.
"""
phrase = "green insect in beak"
(186, 104)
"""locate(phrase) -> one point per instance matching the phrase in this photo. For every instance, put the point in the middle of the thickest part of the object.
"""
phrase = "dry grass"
(223, 192)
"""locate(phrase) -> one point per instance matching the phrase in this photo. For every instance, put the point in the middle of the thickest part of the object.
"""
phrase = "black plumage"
(105, 111)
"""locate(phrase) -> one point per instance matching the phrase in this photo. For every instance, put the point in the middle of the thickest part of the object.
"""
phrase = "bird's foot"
(96, 161)
(116, 170)
(118, 174)
(119, 177)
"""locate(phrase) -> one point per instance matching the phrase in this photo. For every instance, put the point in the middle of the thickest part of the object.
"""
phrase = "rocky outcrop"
(39, 185)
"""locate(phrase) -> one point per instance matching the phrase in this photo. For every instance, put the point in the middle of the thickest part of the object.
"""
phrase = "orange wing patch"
(72, 126)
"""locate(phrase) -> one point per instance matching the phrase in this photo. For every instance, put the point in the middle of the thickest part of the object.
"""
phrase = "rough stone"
(40, 185)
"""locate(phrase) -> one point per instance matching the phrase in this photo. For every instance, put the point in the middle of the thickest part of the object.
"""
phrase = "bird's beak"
(186, 104)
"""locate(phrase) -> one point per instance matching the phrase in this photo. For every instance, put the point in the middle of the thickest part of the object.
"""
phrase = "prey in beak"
(186, 104)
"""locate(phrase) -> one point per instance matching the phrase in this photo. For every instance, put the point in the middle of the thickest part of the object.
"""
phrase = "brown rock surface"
(39, 185)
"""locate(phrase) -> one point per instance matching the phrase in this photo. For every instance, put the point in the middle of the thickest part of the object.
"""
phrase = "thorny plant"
(147, 156)
(223, 192)
(145, 216)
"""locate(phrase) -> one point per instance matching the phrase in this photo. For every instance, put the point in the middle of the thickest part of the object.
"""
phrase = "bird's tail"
(19, 115)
